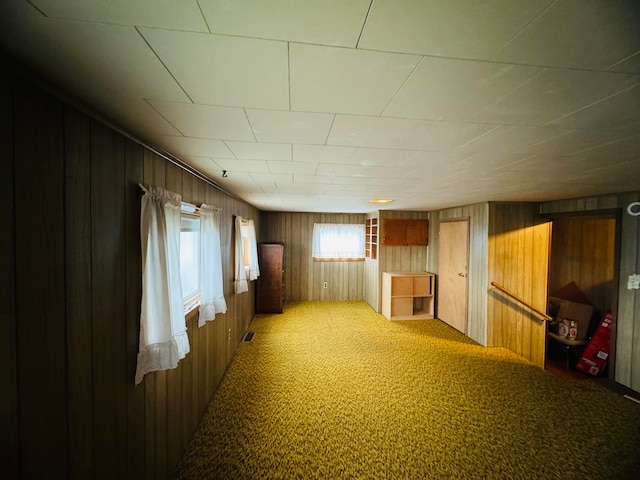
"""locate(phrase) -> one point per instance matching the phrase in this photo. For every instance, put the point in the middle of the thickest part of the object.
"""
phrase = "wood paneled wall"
(70, 297)
(519, 243)
(627, 320)
(304, 278)
(583, 251)
(478, 216)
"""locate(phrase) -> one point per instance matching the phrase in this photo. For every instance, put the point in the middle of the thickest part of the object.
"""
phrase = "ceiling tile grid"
(324, 104)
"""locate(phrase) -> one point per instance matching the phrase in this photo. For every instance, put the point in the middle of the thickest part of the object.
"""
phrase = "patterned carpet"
(332, 390)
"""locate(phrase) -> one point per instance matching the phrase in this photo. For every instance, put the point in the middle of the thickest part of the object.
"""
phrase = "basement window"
(190, 260)
(336, 242)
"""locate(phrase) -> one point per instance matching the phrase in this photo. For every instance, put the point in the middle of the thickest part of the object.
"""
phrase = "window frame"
(315, 242)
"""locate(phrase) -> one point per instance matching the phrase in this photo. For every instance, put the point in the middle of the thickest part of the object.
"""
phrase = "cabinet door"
(394, 232)
(417, 232)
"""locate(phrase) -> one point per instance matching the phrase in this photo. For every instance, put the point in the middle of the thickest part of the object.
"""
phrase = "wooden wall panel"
(519, 245)
(136, 438)
(78, 284)
(40, 280)
(478, 216)
(73, 330)
(108, 301)
(583, 251)
(304, 278)
(8, 349)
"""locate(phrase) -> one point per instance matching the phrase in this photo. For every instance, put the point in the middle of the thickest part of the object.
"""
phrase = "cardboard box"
(571, 311)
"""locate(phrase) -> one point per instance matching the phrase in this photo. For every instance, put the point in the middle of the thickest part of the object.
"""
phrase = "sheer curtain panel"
(163, 331)
(246, 254)
(211, 286)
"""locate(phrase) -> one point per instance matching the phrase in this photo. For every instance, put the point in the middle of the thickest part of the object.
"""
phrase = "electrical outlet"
(633, 283)
(229, 336)
(325, 285)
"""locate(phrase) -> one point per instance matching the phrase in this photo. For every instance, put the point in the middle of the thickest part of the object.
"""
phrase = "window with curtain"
(246, 254)
(211, 286)
(190, 259)
(163, 331)
(338, 242)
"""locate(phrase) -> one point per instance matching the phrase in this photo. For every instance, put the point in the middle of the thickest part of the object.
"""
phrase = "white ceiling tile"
(329, 79)
(232, 165)
(352, 130)
(513, 139)
(576, 141)
(361, 171)
(328, 22)
(136, 115)
(443, 136)
(150, 13)
(73, 56)
(380, 157)
(198, 147)
(619, 112)
(206, 121)
(322, 153)
(204, 165)
(449, 89)
(629, 64)
(220, 70)
(553, 94)
(260, 151)
(578, 33)
(463, 29)
(270, 178)
(291, 167)
(289, 127)
(433, 160)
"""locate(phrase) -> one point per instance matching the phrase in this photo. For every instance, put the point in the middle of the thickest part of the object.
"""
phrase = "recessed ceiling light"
(381, 200)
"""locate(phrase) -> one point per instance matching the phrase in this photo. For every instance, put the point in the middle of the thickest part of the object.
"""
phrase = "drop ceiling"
(323, 105)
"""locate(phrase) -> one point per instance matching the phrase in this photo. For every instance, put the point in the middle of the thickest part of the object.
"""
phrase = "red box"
(596, 354)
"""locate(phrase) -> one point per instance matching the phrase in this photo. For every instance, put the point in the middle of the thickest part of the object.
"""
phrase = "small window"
(338, 242)
(190, 260)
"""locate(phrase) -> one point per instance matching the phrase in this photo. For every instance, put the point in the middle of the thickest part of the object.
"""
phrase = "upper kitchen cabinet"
(405, 232)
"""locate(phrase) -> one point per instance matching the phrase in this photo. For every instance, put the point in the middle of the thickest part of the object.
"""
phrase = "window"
(246, 258)
(190, 260)
(338, 242)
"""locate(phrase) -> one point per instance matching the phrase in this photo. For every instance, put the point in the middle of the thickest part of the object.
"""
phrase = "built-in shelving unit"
(371, 239)
(407, 295)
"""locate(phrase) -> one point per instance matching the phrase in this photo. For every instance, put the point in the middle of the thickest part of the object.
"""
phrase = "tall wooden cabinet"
(407, 295)
(270, 283)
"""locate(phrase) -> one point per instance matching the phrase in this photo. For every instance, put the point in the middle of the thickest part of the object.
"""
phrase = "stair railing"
(502, 289)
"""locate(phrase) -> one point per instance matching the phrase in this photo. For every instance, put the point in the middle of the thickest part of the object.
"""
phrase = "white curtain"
(211, 286)
(163, 331)
(332, 240)
(245, 229)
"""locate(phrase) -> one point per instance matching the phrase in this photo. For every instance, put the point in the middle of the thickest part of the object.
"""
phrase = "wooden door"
(452, 273)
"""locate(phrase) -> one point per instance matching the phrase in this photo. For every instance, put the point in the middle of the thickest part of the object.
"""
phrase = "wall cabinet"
(371, 239)
(404, 232)
(407, 295)
(270, 283)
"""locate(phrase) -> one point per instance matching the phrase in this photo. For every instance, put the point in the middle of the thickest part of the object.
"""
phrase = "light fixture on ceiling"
(381, 200)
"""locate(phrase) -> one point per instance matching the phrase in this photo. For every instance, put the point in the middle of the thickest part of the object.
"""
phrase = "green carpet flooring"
(332, 390)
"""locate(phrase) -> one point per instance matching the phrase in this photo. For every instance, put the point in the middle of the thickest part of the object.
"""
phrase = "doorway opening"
(583, 269)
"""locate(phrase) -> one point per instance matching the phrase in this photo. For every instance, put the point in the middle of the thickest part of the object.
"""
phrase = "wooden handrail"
(520, 300)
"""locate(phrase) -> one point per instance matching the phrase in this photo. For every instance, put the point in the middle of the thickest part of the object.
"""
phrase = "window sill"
(191, 311)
